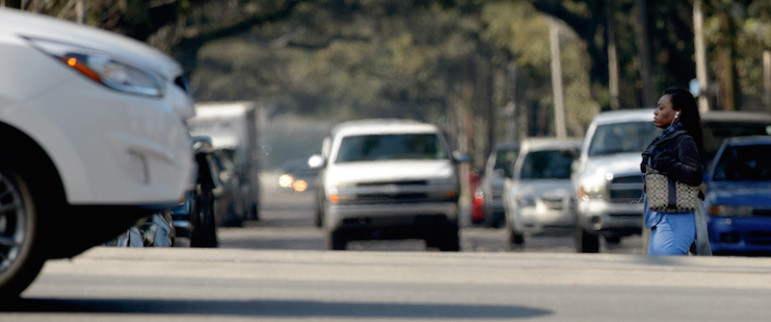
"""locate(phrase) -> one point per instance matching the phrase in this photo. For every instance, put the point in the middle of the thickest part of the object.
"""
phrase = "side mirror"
(317, 161)
(461, 157)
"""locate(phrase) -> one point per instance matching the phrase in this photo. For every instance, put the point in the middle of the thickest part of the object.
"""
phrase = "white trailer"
(232, 127)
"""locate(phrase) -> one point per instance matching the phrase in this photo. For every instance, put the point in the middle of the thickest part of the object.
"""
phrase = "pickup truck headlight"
(103, 69)
(732, 211)
(586, 192)
(593, 188)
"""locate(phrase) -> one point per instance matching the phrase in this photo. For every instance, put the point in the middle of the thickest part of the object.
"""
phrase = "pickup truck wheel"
(445, 239)
(587, 242)
(20, 262)
(336, 240)
(318, 218)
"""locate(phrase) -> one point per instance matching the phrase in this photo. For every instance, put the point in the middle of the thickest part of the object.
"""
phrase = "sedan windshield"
(744, 163)
(422, 146)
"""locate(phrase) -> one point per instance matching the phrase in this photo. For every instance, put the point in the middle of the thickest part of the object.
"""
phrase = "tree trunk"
(767, 80)
(727, 70)
(643, 52)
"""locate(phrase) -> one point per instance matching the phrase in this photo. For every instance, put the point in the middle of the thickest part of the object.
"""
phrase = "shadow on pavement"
(273, 308)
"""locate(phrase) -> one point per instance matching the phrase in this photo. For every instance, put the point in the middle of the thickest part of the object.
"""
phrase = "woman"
(676, 152)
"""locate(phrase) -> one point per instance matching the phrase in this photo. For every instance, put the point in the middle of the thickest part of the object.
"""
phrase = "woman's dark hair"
(683, 101)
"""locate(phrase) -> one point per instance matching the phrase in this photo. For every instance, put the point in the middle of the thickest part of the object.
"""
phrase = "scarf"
(669, 132)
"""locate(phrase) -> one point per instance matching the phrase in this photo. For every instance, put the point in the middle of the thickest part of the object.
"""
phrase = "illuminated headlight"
(526, 201)
(591, 192)
(103, 69)
(592, 189)
(732, 211)
(285, 181)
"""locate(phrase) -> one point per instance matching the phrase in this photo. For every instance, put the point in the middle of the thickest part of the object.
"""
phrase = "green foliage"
(433, 60)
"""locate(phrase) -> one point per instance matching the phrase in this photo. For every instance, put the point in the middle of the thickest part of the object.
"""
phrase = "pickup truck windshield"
(422, 146)
(622, 138)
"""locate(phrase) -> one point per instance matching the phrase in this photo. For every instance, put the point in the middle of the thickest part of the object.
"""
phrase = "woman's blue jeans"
(673, 234)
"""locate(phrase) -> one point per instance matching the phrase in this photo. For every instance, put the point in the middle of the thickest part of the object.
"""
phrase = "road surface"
(276, 269)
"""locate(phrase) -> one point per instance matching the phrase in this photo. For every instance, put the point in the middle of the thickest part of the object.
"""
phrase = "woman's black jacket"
(677, 156)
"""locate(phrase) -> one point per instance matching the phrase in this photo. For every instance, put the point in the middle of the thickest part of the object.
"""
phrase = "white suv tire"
(19, 263)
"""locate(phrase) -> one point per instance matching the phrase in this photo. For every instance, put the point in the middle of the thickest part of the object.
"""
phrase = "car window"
(550, 164)
(715, 132)
(424, 146)
(504, 157)
(622, 138)
(740, 163)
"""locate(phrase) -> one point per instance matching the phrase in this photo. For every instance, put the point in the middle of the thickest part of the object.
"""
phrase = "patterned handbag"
(669, 196)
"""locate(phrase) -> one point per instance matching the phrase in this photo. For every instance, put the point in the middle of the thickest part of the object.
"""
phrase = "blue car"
(738, 197)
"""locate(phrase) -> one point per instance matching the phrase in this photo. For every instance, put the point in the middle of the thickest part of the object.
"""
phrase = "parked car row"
(606, 184)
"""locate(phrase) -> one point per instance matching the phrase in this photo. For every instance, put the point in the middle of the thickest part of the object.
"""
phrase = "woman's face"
(664, 113)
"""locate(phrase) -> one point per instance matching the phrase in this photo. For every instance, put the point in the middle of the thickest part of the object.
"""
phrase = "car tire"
(336, 240)
(318, 218)
(613, 240)
(21, 261)
(516, 238)
(587, 242)
(445, 239)
(204, 227)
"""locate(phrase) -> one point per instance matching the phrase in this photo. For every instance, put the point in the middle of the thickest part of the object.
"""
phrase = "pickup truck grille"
(392, 192)
(626, 189)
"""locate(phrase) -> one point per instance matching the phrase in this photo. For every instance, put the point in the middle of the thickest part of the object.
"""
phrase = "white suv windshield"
(423, 146)
(622, 138)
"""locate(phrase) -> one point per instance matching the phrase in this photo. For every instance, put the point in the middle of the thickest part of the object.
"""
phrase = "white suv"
(93, 137)
(389, 179)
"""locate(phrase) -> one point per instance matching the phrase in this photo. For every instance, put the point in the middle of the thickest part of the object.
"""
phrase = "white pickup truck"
(93, 138)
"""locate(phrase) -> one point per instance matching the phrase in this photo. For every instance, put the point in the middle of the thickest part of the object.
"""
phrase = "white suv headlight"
(103, 69)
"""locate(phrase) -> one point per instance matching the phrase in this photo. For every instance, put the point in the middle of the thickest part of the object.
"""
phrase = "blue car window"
(744, 163)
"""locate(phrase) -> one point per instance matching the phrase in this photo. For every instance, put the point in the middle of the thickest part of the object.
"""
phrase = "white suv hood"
(390, 171)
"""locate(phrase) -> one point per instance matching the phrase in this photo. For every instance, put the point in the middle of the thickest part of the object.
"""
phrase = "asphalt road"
(182, 284)
(275, 269)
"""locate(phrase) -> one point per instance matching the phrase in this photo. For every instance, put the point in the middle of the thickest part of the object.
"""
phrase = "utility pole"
(612, 57)
(511, 105)
(556, 81)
